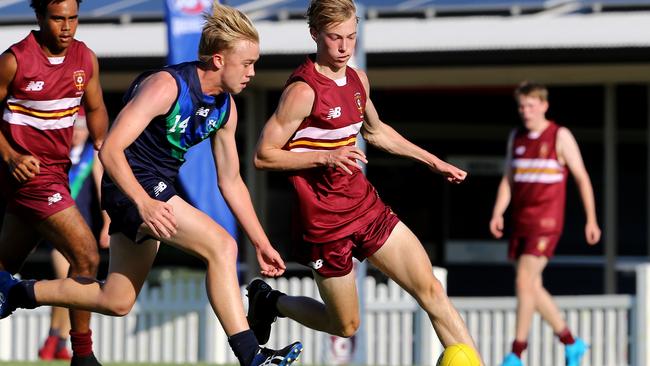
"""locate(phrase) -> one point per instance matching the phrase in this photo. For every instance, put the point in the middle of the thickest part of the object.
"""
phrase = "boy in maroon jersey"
(312, 135)
(43, 80)
(535, 183)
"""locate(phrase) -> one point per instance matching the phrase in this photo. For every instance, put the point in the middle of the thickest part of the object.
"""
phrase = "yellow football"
(459, 355)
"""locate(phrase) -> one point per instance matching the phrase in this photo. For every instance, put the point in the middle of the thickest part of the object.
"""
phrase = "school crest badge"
(79, 77)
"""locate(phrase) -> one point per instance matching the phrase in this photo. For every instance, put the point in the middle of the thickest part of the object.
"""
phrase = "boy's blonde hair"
(222, 29)
(322, 13)
(531, 89)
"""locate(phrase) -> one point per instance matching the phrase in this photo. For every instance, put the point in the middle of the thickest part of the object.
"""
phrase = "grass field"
(51, 363)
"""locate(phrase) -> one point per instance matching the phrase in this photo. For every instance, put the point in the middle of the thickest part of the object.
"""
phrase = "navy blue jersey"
(158, 153)
(192, 118)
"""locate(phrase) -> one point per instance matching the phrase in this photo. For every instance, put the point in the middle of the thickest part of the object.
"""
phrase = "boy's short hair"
(531, 89)
(322, 13)
(40, 6)
(223, 27)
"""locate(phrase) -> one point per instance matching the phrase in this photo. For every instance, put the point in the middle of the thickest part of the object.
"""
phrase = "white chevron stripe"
(47, 105)
(38, 123)
(325, 134)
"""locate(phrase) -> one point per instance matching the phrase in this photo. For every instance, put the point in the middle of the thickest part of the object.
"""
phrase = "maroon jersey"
(539, 183)
(332, 203)
(43, 101)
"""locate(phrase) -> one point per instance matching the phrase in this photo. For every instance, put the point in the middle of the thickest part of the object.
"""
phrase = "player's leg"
(17, 240)
(528, 276)
(55, 346)
(129, 265)
(575, 347)
(338, 315)
(69, 233)
(199, 235)
(60, 316)
(404, 260)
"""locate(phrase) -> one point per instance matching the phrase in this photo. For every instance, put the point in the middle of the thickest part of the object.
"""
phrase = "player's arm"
(97, 172)
(503, 194)
(96, 114)
(568, 150)
(236, 194)
(22, 167)
(295, 105)
(154, 97)
(384, 137)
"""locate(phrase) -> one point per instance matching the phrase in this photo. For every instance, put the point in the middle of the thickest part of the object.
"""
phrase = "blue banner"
(197, 177)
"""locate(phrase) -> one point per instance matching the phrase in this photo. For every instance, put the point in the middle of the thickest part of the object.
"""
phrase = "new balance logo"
(317, 264)
(159, 188)
(35, 86)
(334, 113)
(54, 199)
(203, 112)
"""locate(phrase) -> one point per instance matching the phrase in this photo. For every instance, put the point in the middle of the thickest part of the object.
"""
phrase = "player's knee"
(118, 306)
(85, 263)
(430, 292)
(524, 283)
(224, 250)
(347, 329)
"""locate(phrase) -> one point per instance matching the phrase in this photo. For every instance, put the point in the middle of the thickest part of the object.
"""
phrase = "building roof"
(400, 35)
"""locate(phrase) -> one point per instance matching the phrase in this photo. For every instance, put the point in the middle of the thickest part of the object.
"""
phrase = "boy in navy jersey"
(167, 112)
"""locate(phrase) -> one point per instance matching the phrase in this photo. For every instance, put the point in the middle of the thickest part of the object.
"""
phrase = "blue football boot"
(281, 357)
(573, 353)
(512, 360)
(7, 281)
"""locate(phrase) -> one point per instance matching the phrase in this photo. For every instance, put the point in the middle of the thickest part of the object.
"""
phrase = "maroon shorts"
(537, 245)
(334, 258)
(40, 197)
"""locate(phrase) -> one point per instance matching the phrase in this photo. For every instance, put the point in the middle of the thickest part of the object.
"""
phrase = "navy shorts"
(124, 215)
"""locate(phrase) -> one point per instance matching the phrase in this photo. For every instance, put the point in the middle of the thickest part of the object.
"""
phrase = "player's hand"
(496, 226)
(453, 174)
(592, 233)
(104, 238)
(24, 167)
(271, 264)
(97, 144)
(158, 217)
(344, 158)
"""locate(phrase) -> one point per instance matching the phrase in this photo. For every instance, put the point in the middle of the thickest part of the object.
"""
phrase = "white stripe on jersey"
(47, 105)
(538, 178)
(325, 134)
(536, 163)
(38, 123)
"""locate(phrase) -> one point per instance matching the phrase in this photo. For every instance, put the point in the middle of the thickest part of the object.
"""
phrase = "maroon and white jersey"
(332, 203)
(538, 183)
(43, 101)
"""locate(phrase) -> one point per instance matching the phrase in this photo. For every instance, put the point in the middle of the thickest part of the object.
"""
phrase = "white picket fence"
(175, 324)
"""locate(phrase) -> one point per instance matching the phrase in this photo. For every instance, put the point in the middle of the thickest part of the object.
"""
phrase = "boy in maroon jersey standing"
(534, 183)
(312, 135)
(43, 80)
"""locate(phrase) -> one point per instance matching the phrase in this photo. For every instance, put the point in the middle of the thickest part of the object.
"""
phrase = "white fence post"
(427, 345)
(640, 345)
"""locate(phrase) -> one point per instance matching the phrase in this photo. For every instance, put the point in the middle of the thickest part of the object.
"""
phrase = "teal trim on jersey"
(174, 133)
(191, 121)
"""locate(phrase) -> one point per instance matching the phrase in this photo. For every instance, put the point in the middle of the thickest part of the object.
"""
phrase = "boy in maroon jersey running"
(312, 135)
(43, 81)
(535, 183)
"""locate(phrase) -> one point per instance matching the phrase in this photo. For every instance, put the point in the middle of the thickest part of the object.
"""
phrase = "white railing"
(174, 323)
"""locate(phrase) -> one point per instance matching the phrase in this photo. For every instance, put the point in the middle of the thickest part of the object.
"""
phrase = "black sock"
(273, 302)
(245, 346)
(21, 295)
